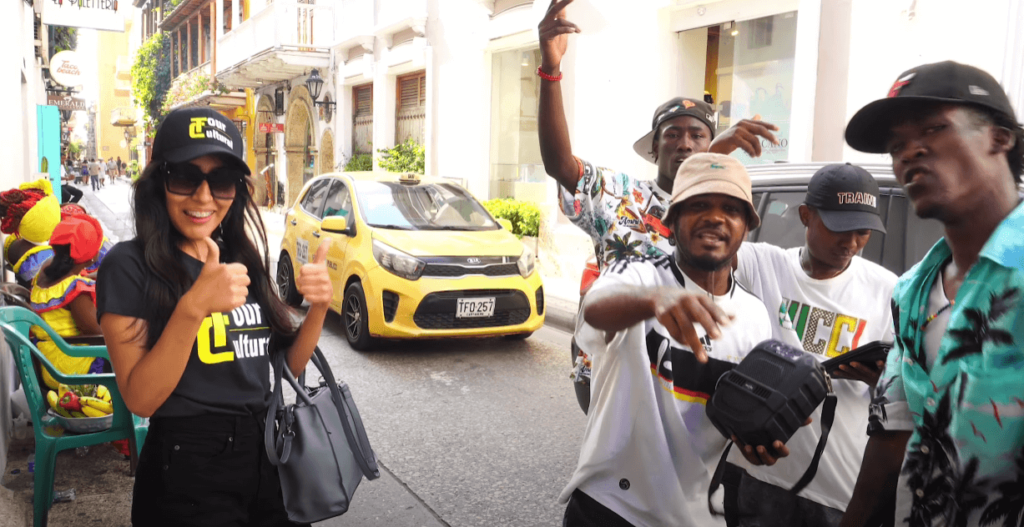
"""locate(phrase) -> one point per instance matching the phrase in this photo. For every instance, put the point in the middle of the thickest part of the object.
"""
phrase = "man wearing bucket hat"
(948, 406)
(649, 450)
(827, 300)
(622, 214)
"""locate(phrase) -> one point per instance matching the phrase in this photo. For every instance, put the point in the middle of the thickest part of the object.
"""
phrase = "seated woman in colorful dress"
(64, 298)
(29, 216)
(71, 209)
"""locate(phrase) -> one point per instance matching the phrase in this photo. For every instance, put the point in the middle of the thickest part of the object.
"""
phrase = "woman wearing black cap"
(191, 319)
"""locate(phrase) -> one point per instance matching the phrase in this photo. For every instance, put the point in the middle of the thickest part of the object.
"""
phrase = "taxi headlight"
(397, 262)
(526, 262)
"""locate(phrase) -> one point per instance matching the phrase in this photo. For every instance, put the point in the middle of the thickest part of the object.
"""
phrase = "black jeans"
(70, 194)
(584, 511)
(750, 502)
(205, 471)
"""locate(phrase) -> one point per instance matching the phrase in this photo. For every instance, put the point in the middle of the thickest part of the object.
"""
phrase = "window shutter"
(364, 100)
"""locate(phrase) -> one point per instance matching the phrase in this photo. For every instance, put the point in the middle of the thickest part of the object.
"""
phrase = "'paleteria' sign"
(66, 68)
(94, 14)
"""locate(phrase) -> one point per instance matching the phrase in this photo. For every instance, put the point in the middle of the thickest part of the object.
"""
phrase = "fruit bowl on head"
(83, 425)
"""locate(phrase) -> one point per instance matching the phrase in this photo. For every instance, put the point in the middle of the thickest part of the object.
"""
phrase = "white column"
(234, 8)
(218, 20)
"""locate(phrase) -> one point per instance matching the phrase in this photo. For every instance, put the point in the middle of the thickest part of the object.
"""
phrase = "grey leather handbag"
(318, 444)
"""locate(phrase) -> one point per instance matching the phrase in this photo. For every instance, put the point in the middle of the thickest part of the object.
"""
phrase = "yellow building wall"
(109, 138)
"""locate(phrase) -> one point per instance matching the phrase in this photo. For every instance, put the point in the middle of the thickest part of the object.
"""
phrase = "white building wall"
(889, 37)
(21, 88)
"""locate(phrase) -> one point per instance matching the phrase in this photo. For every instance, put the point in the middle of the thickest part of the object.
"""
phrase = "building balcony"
(122, 116)
(398, 15)
(283, 41)
(123, 68)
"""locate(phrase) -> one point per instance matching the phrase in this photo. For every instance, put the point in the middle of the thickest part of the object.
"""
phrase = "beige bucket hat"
(713, 174)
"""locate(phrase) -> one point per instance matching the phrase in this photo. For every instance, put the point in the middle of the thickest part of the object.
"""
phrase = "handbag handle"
(357, 438)
(356, 434)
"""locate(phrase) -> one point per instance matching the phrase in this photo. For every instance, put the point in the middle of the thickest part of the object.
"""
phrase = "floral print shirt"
(621, 214)
(964, 464)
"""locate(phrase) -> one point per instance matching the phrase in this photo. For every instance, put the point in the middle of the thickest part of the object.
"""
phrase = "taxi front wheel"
(286, 281)
(353, 314)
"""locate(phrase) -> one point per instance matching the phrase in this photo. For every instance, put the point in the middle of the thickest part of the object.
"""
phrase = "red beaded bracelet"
(547, 77)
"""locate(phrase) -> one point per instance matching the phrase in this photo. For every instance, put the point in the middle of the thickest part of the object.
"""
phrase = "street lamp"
(314, 83)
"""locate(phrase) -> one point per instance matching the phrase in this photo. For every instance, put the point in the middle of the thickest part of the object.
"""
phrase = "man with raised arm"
(649, 450)
(621, 213)
(947, 422)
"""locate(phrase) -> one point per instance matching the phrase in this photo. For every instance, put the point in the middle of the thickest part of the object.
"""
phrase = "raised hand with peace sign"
(554, 33)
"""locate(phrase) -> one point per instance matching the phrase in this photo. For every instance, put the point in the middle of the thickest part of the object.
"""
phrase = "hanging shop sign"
(267, 128)
(66, 69)
(93, 14)
(66, 102)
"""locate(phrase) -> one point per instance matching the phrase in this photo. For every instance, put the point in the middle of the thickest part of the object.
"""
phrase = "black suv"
(778, 191)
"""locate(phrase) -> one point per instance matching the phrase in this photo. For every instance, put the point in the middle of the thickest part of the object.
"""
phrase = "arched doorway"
(299, 142)
(327, 153)
(266, 155)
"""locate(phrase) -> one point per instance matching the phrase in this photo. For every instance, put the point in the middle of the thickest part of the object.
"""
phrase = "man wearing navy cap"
(947, 422)
(825, 301)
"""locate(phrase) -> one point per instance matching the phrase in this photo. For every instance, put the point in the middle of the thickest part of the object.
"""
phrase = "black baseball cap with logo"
(846, 198)
(188, 133)
(942, 82)
(675, 107)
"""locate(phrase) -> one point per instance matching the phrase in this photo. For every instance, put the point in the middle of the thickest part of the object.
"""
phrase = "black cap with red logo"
(188, 133)
(942, 82)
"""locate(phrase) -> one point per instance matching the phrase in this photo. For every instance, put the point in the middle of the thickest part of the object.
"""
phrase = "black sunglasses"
(184, 179)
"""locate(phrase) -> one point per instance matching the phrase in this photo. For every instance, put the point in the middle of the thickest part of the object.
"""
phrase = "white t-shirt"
(649, 450)
(827, 318)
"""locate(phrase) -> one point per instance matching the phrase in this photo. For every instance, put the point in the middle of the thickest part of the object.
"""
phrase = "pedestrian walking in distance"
(191, 340)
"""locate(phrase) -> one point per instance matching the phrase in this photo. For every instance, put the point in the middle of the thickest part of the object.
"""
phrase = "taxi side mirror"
(336, 224)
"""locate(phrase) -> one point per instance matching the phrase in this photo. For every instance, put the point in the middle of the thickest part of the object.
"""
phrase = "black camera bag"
(767, 397)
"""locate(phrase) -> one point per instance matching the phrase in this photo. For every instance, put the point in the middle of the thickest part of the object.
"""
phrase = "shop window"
(362, 119)
(411, 113)
(517, 170)
(748, 72)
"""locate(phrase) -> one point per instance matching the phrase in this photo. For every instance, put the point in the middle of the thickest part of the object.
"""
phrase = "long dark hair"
(61, 264)
(160, 244)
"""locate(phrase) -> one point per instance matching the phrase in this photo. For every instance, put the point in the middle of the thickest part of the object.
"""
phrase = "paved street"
(477, 432)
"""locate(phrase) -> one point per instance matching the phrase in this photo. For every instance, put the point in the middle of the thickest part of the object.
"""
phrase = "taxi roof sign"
(409, 178)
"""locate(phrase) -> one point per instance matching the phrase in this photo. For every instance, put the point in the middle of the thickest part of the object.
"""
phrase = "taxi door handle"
(316, 234)
(295, 222)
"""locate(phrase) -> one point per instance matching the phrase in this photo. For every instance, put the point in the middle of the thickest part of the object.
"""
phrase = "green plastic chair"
(15, 322)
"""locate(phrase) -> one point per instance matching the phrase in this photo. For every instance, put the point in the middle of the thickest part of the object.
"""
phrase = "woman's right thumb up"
(212, 252)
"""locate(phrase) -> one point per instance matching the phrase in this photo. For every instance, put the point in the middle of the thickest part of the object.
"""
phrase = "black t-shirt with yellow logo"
(228, 370)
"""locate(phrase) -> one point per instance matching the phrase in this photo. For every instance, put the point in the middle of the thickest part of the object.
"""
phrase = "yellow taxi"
(413, 257)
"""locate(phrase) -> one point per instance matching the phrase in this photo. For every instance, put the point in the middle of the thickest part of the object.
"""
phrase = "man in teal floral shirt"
(947, 420)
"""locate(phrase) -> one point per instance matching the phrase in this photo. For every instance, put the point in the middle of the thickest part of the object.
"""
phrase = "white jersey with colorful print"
(621, 214)
(826, 318)
(649, 450)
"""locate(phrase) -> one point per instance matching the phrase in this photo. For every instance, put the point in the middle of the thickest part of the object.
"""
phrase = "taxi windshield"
(440, 206)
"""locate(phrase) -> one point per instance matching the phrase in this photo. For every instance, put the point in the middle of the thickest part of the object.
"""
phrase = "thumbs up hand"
(314, 282)
(219, 287)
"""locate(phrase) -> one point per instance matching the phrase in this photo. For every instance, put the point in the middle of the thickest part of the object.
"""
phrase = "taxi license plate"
(475, 308)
